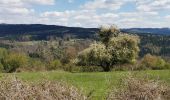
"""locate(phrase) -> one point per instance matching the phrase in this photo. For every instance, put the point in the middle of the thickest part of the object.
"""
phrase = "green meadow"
(97, 84)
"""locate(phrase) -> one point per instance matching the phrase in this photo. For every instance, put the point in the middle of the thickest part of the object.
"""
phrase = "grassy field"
(98, 83)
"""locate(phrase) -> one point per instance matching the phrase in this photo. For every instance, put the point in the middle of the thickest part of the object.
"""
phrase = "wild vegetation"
(113, 50)
(109, 54)
(143, 88)
(96, 85)
(14, 89)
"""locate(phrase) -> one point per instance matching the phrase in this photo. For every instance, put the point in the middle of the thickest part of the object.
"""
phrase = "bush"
(152, 62)
(124, 67)
(36, 65)
(1, 67)
(167, 65)
(71, 68)
(3, 53)
(14, 89)
(91, 69)
(133, 88)
(13, 61)
(56, 64)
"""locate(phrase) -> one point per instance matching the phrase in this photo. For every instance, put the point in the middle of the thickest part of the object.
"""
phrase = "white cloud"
(40, 2)
(91, 14)
(26, 2)
(102, 4)
(153, 5)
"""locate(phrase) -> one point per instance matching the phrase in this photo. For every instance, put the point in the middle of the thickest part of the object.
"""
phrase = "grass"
(97, 83)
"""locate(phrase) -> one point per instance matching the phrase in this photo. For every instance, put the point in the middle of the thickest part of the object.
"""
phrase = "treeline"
(155, 44)
(41, 55)
(42, 32)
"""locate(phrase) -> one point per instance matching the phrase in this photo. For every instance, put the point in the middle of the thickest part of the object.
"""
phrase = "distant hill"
(153, 40)
(42, 31)
(163, 31)
(45, 30)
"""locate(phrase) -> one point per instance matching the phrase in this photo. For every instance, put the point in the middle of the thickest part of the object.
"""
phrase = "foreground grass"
(97, 83)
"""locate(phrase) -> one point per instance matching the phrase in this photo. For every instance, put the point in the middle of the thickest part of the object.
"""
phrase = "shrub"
(13, 61)
(167, 65)
(133, 88)
(3, 53)
(71, 68)
(15, 89)
(36, 65)
(1, 67)
(124, 67)
(56, 64)
(91, 69)
(152, 62)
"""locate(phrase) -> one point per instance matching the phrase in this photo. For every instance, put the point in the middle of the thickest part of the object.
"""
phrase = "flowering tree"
(114, 48)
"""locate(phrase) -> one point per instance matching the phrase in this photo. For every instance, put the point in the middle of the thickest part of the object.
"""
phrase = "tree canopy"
(114, 48)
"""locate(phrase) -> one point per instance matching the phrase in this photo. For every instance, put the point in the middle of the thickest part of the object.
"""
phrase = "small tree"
(115, 48)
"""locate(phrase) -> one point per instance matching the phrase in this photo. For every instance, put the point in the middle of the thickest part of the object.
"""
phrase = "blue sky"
(87, 13)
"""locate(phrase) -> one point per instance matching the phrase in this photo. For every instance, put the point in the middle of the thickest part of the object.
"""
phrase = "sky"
(87, 13)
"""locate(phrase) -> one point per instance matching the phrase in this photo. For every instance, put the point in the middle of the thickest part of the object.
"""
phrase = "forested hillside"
(153, 40)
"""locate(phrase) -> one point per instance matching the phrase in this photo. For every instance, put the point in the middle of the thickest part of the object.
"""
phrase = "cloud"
(153, 5)
(93, 13)
(40, 2)
(102, 4)
(84, 18)
(26, 2)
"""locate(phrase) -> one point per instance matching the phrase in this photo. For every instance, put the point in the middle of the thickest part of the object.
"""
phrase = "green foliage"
(91, 69)
(1, 67)
(152, 62)
(56, 64)
(114, 49)
(98, 82)
(95, 55)
(35, 65)
(14, 60)
(3, 53)
(107, 32)
(167, 66)
(124, 49)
